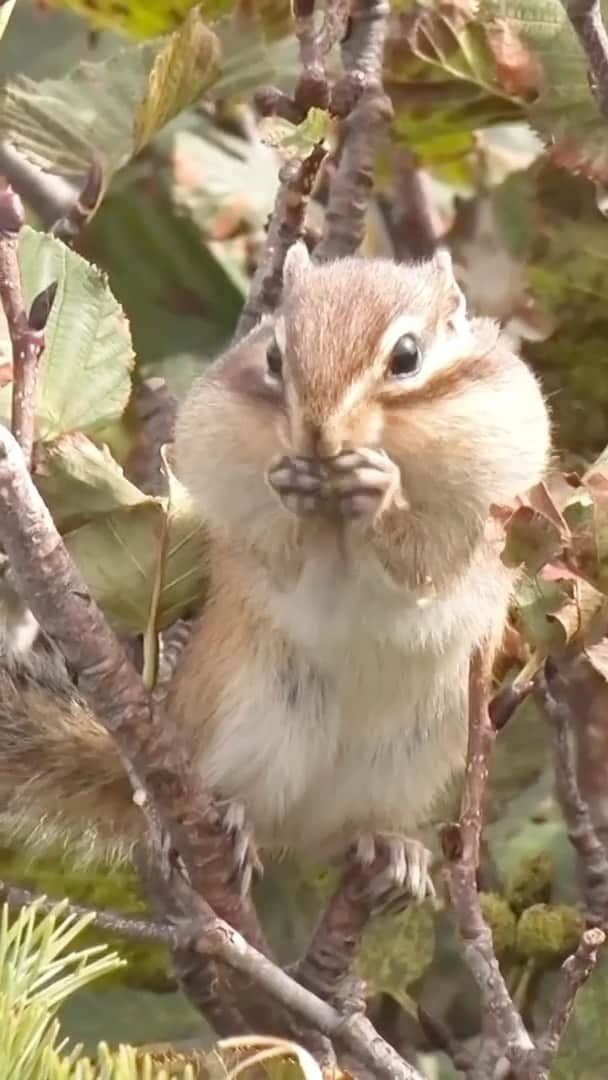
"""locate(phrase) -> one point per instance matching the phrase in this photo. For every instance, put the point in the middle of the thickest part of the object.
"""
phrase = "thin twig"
(587, 22)
(591, 854)
(26, 333)
(574, 973)
(364, 130)
(408, 208)
(205, 934)
(461, 847)
(81, 210)
(287, 224)
(49, 196)
(312, 89)
(127, 926)
(335, 23)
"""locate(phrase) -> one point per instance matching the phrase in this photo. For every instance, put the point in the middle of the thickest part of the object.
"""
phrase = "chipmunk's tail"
(61, 778)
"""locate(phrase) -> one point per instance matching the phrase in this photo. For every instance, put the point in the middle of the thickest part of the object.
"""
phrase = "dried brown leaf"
(518, 71)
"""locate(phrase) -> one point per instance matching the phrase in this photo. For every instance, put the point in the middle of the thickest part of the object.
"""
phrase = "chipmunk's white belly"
(365, 721)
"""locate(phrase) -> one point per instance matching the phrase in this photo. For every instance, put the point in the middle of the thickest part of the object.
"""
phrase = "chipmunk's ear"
(296, 265)
(450, 289)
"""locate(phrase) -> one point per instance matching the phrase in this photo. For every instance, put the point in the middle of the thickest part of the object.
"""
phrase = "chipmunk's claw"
(232, 819)
(394, 871)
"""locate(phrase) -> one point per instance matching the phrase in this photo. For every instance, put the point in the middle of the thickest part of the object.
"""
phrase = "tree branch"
(332, 950)
(127, 926)
(587, 22)
(408, 209)
(286, 226)
(506, 1034)
(574, 973)
(81, 209)
(461, 847)
(50, 197)
(364, 129)
(591, 855)
(312, 88)
(26, 332)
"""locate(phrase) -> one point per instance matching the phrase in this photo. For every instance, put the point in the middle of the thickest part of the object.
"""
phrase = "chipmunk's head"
(368, 352)
(357, 335)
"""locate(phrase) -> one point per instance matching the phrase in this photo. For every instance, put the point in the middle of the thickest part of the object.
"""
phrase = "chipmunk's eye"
(274, 359)
(406, 357)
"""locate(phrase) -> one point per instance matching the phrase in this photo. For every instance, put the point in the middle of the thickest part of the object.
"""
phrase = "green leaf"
(178, 289)
(85, 369)
(107, 111)
(79, 481)
(226, 183)
(297, 140)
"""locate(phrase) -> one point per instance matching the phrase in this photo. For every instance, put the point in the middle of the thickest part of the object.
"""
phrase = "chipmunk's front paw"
(232, 819)
(366, 482)
(394, 871)
(298, 482)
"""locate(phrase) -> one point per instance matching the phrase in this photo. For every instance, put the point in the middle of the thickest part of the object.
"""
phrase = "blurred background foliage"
(492, 99)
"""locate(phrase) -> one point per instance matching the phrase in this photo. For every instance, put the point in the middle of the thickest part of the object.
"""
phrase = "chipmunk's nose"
(324, 442)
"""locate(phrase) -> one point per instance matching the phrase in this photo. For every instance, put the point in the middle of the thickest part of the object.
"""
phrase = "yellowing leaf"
(118, 556)
(184, 67)
(144, 558)
(138, 18)
(582, 616)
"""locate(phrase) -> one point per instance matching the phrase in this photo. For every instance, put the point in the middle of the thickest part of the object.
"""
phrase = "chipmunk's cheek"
(364, 427)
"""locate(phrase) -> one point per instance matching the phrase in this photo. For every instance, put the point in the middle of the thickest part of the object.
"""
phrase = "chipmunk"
(344, 457)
